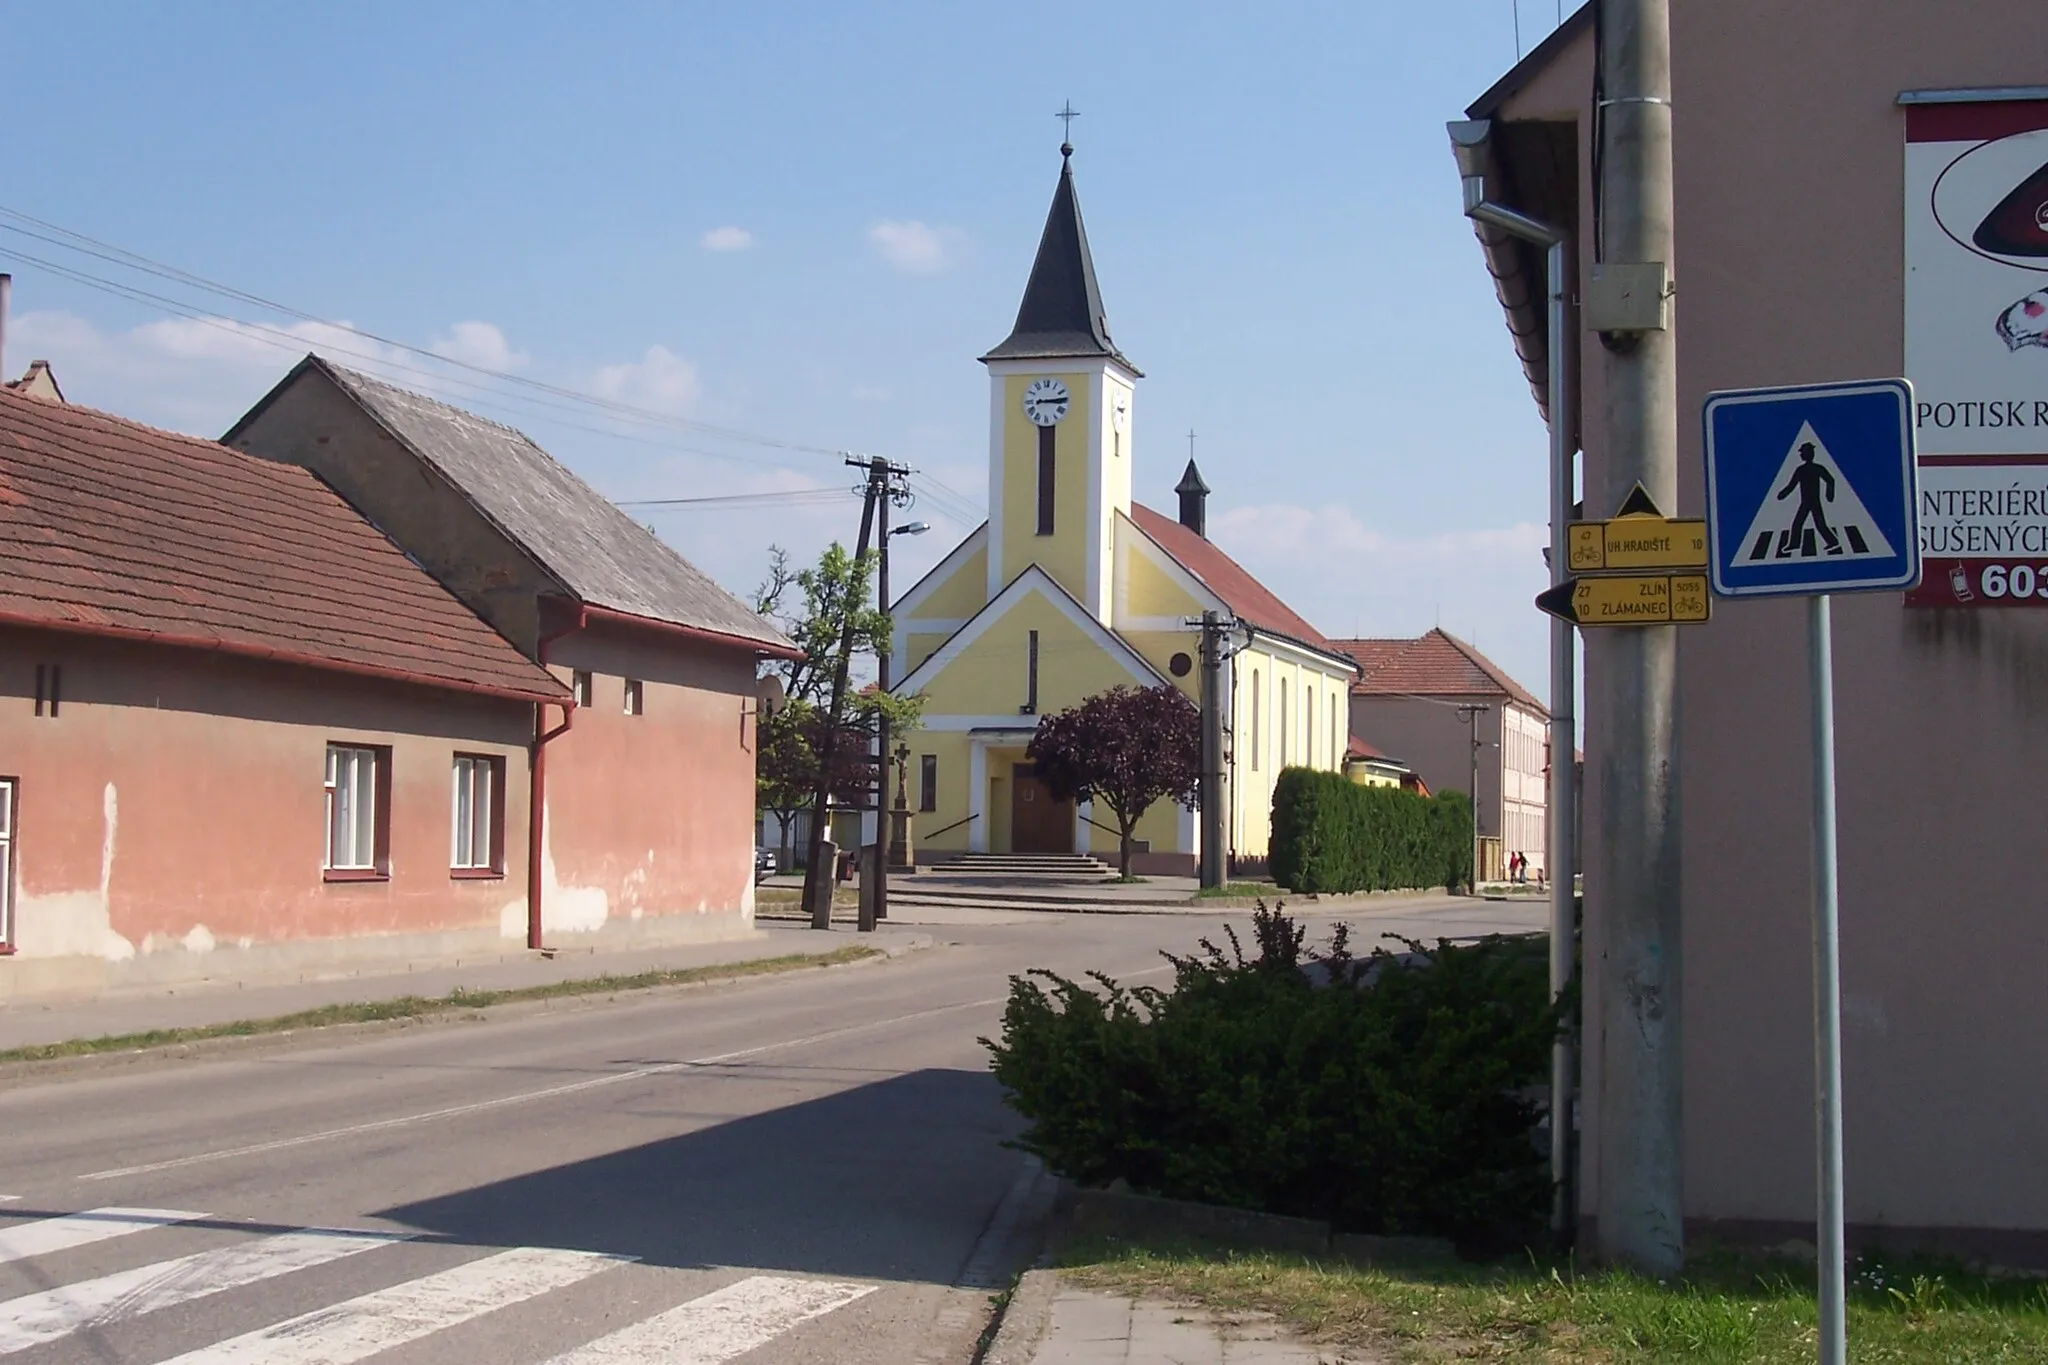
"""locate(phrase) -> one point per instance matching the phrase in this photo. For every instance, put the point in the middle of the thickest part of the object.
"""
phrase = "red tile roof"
(110, 527)
(1433, 665)
(1359, 748)
(1248, 599)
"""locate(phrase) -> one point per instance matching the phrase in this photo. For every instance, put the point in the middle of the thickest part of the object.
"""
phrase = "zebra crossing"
(722, 1325)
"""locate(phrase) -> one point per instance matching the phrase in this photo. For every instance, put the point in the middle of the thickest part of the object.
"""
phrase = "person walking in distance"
(1809, 479)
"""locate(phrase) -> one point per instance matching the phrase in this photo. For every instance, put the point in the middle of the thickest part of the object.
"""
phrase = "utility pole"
(819, 880)
(874, 872)
(1215, 867)
(1633, 674)
(893, 493)
(1471, 712)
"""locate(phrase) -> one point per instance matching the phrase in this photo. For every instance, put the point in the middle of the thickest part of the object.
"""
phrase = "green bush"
(1332, 835)
(1388, 1099)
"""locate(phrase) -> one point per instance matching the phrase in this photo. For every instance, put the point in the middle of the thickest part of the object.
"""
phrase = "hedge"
(1385, 1093)
(1332, 835)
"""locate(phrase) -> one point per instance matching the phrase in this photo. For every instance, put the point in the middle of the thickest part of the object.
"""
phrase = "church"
(1071, 588)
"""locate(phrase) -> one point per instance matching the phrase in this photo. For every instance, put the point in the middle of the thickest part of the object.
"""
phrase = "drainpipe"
(1468, 142)
(537, 775)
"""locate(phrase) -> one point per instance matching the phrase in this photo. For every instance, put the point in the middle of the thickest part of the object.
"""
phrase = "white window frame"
(351, 789)
(579, 686)
(9, 790)
(633, 698)
(476, 787)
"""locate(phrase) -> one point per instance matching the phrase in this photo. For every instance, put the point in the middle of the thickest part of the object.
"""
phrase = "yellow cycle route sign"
(1615, 554)
(1630, 600)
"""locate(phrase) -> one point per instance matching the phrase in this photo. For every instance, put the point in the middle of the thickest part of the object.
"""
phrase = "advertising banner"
(1977, 348)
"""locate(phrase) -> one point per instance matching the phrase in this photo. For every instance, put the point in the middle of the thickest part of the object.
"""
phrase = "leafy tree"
(1125, 749)
(788, 748)
(790, 739)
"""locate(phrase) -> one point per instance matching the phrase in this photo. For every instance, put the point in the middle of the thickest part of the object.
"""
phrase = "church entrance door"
(1038, 824)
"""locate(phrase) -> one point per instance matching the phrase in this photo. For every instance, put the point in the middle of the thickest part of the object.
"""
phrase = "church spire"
(1194, 499)
(1061, 315)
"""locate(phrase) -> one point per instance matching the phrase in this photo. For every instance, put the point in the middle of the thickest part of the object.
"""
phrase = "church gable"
(1153, 591)
(986, 669)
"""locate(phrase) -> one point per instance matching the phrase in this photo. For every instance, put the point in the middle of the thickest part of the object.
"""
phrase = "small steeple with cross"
(1067, 114)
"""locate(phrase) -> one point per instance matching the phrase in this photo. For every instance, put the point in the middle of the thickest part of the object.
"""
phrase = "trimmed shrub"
(1383, 1094)
(1332, 835)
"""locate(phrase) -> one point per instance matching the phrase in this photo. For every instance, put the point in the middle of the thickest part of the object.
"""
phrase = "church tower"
(1059, 420)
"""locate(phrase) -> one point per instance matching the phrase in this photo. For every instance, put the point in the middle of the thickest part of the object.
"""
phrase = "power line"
(135, 261)
(785, 495)
(953, 505)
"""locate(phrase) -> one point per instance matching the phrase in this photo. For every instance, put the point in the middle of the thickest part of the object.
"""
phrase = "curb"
(1025, 1318)
(228, 1045)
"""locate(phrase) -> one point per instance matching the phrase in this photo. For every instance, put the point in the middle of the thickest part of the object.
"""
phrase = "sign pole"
(1827, 987)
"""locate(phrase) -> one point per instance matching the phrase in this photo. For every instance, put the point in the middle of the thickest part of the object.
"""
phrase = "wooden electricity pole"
(819, 880)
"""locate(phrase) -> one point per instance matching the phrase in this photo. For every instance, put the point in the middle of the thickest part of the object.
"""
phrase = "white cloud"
(728, 238)
(914, 246)
(1349, 578)
(660, 380)
(479, 344)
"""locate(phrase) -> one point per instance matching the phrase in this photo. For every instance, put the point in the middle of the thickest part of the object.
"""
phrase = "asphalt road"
(794, 1169)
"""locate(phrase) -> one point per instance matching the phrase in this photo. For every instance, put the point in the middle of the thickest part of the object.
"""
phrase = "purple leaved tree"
(1125, 749)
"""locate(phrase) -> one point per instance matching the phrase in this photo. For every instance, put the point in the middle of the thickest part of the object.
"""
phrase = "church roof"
(1191, 481)
(1249, 600)
(1061, 315)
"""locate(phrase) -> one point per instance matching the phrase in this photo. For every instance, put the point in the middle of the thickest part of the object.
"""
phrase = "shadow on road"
(892, 1180)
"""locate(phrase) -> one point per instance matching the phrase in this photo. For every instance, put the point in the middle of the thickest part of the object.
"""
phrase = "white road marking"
(10, 1199)
(370, 1323)
(36, 1318)
(524, 1097)
(723, 1324)
(40, 1238)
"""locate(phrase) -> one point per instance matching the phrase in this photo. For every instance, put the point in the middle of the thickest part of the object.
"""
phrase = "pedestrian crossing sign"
(1812, 489)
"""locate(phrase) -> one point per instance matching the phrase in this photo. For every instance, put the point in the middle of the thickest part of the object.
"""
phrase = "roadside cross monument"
(1811, 491)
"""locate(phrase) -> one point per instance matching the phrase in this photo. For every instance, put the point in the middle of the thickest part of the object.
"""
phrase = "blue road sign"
(1811, 489)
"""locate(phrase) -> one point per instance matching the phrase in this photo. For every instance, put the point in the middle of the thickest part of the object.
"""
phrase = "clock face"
(1045, 401)
(1120, 412)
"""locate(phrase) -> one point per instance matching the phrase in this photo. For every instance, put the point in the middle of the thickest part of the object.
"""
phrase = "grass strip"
(1240, 891)
(1757, 1310)
(422, 1006)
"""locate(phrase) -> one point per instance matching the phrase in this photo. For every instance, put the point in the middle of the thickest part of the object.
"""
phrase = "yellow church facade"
(1071, 588)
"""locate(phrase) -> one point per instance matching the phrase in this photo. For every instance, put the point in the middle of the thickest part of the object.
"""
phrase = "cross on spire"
(1067, 114)
(1191, 445)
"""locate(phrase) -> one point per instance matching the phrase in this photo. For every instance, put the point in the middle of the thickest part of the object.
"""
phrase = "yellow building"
(1071, 588)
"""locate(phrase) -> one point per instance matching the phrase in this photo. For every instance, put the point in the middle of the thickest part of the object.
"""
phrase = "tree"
(788, 745)
(791, 738)
(1125, 749)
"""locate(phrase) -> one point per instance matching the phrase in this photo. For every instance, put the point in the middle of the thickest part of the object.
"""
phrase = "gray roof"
(1061, 315)
(595, 550)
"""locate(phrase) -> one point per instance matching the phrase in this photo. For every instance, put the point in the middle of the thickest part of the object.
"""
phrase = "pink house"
(240, 732)
(1824, 232)
(642, 797)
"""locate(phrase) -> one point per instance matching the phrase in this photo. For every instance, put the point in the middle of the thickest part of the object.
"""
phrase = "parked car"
(767, 862)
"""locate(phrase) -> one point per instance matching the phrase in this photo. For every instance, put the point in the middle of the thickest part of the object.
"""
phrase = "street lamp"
(1470, 712)
(887, 834)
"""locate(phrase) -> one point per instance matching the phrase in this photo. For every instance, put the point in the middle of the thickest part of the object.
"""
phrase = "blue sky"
(803, 223)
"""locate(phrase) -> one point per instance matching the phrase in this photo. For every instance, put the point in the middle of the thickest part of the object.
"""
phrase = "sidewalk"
(195, 1006)
(1088, 1328)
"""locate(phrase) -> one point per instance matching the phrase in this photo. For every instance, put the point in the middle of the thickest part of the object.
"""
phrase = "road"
(793, 1169)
